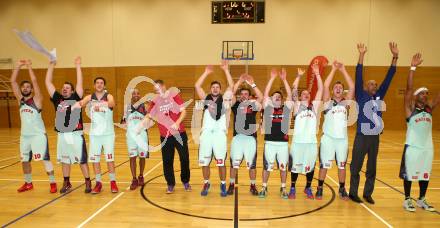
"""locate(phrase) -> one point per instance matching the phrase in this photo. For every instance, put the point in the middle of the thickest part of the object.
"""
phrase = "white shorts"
(212, 142)
(99, 142)
(34, 147)
(137, 144)
(275, 151)
(303, 157)
(243, 146)
(71, 148)
(416, 163)
(331, 149)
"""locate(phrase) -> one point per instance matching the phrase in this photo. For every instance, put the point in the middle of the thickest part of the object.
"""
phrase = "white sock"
(206, 181)
(223, 182)
(98, 177)
(253, 182)
(232, 180)
(112, 176)
(283, 185)
(264, 184)
(28, 178)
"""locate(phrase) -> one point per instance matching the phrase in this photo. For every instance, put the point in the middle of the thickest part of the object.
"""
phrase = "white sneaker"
(423, 204)
(408, 205)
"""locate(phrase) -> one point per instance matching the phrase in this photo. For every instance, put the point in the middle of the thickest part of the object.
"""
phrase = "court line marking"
(8, 158)
(38, 180)
(365, 206)
(114, 199)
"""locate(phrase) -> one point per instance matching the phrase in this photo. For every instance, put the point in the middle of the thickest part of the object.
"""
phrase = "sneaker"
(134, 184)
(309, 193)
(263, 192)
(114, 187)
(170, 189)
(423, 204)
(141, 181)
(66, 187)
(283, 193)
(53, 187)
(355, 198)
(187, 187)
(25, 187)
(253, 190)
(88, 184)
(408, 205)
(292, 193)
(231, 189)
(205, 189)
(223, 192)
(343, 194)
(369, 199)
(318, 195)
(98, 188)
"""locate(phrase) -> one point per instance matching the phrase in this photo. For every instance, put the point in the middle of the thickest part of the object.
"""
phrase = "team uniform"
(33, 139)
(276, 148)
(137, 144)
(71, 144)
(334, 141)
(213, 139)
(304, 148)
(102, 133)
(244, 142)
(418, 152)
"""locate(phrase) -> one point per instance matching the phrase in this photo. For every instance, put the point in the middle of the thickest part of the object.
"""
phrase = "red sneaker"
(25, 187)
(53, 187)
(97, 189)
(113, 187)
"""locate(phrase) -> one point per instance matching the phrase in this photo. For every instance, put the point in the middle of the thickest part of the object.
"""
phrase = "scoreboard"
(229, 12)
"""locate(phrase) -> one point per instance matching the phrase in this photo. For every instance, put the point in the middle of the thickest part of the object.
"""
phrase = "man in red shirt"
(168, 110)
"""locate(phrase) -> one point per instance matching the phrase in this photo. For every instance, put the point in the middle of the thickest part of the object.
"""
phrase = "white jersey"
(419, 128)
(335, 120)
(102, 119)
(214, 117)
(31, 121)
(134, 117)
(305, 125)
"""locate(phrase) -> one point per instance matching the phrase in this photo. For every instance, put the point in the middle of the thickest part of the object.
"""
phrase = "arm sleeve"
(386, 82)
(359, 83)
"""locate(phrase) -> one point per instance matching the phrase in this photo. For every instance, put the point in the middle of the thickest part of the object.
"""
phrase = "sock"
(28, 178)
(423, 187)
(407, 188)
(320, 183)
(264, 185)
(206, 181)
(232, 180)
(253, 182)
(52, 178)
(309, 179)
(293, 178)
(112, 176)
(283, 185)
(66, 179)
(341, 185)
(98, 177)
(223, 182)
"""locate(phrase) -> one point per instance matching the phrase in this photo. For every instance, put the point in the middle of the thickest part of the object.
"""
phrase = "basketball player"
(71, 146)
(419, 150)
(276, 119)
(334, 141)
(244, 143)
(33, 139)
(215, 124)
(137, 144)
(369, 125)
(304, 148)
(168, 110)
(102, 133)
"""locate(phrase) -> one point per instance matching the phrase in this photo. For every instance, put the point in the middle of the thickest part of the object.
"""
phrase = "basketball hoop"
(237, 54)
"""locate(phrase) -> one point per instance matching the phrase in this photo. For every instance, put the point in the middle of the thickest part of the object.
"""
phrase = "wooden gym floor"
(153, 208)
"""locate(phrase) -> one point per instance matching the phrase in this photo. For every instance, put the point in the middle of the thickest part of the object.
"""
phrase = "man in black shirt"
(244, 143)
(71, 146)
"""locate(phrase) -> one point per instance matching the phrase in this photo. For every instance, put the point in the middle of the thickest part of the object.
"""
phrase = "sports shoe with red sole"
(98, 188)
(53, 188)
(88, 184)
(25, 187)
(113, 187)
(66, 187)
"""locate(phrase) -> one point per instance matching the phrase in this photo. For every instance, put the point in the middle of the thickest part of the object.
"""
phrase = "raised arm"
(349, 80)
(318, 96)
(258, 93)
(14, 84)
(198, 86)
(295, 84)
(82, 102)
(408, 101)
(49, 79)
(79, 77)
(328, 81)
(38, 97)
(273, 75)
(283, 76)
(225, 68)
(238, 83)
(383, 88)
(359, 68)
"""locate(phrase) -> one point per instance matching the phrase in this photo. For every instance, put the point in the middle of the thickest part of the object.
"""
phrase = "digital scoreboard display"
(229, 12)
